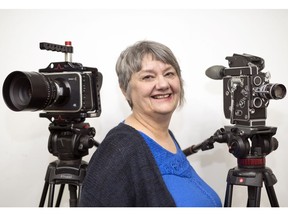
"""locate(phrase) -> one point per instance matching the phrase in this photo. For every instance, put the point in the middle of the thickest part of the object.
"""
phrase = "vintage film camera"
(246, 89)
(65, 88)
(246, 92)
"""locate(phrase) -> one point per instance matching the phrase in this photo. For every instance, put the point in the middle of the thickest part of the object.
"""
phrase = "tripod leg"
(73, 195)
(79, 194)
(44, 194)
(269, 181)
(58, 201)
(51, 194)
(254, 194)
(272, 196)
(228, 195)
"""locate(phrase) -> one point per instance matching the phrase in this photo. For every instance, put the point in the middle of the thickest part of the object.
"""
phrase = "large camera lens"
(29, 91)
(272, 91)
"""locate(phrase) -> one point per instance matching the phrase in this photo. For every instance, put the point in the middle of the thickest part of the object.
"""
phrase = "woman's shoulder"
(122, 138)
(123, 131)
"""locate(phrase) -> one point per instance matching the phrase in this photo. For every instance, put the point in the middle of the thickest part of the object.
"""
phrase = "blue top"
(184, 184)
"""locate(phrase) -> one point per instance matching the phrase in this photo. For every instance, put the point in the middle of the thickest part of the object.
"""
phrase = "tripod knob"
(269, 145)
(239, 147)
(87, 142)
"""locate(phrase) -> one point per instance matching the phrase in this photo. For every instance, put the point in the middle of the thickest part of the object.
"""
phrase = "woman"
(139, 163)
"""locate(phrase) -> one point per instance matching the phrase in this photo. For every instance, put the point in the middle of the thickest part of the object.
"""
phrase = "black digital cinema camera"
(63, 88)
(246, 89)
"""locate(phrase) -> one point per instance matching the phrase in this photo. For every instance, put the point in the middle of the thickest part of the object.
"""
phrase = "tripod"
(69, 141)
(251, 170)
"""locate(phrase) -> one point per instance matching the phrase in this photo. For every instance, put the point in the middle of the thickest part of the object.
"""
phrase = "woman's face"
(155, 89)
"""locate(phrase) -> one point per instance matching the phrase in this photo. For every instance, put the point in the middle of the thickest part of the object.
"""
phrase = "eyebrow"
(169, 67)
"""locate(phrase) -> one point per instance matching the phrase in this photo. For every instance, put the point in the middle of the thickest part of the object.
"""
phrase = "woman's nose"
(162, 83)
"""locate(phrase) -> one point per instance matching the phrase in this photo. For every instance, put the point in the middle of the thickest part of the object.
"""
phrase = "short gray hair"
(130, 61)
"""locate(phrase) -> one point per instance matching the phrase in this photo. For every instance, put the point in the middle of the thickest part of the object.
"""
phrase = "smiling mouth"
(161, 96)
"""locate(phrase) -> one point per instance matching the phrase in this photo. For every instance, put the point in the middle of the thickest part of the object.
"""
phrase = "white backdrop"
(199, 39)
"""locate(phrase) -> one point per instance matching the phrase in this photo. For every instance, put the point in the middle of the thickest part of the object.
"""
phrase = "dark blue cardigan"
(123, 172)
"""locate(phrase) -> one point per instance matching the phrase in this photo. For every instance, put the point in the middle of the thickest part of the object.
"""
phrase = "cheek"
(141, 90)
(132, 92)
(176, 86)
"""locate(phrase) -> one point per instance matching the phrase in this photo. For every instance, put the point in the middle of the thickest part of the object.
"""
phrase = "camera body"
(81, 83)
(247, 91)
(81, 86)
(66, 87)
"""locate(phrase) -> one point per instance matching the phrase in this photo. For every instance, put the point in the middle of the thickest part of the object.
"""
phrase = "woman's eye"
(170, 74)
(148, 77)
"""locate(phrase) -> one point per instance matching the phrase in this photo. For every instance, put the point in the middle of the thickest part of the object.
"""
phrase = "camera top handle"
(56, 47)
(67, 49)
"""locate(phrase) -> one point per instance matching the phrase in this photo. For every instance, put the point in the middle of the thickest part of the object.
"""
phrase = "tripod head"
(249, 145)
(251, 142)
(70, 137)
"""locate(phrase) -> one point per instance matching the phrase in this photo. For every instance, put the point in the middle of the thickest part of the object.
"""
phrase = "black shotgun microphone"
(215, 72)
